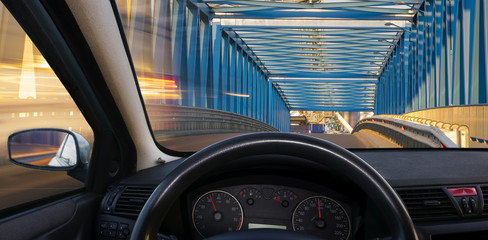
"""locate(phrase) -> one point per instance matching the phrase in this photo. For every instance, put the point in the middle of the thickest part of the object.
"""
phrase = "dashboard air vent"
(131, 201)
(484, 190)
(428, 204)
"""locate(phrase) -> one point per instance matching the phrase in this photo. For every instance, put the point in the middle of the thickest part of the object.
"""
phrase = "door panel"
(69, 218)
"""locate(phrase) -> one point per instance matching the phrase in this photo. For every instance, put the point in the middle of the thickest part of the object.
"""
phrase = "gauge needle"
(318, 204)
(276, 199)
(213, 204)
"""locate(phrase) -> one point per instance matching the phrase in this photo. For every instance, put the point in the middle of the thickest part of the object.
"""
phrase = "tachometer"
(217, 212)
(322, 217)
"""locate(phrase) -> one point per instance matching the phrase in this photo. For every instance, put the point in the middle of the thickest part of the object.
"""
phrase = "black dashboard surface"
(399, 167)
(423, 168)
(426, 167)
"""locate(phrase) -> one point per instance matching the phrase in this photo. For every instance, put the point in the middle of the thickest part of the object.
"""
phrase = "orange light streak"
(128, 11)
(158, 88)
(147, 81)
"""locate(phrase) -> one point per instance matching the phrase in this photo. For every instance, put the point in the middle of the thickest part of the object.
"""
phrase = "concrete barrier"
(458, 134)
(405, 133)
(471, 120)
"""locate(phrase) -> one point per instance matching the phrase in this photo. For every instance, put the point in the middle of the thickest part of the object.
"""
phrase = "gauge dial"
(322, 217)
(249, 195)
(285, 197)
(217, 212)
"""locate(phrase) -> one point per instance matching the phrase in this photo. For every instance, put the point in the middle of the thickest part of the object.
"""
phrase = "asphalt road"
(363, 139)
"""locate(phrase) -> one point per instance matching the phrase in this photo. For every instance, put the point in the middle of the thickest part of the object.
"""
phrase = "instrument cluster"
(243, 207)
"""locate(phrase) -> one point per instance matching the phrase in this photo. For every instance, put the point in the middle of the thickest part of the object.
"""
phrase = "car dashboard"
(311, 200)
(292, 205)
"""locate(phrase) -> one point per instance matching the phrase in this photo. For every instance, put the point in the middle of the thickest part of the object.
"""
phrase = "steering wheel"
(216, 156)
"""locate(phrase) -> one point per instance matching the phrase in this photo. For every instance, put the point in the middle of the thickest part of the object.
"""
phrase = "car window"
(31, 96)
(209, 70)
(185, 107)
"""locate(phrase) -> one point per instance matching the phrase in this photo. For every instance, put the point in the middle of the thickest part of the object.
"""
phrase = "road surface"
(363, 139)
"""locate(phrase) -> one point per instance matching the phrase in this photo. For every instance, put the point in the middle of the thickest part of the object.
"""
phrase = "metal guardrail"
(405, 133)
(174, 121)
(472, 116)
(458, 134)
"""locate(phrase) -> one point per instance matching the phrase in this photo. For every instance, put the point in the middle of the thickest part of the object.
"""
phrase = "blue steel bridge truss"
(263, 59)
(318, 56)
(440, 60)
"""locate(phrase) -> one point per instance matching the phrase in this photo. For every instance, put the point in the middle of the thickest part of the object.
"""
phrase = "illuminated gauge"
(285, 197)
(217, 212)
(322, 217)
(249, 195)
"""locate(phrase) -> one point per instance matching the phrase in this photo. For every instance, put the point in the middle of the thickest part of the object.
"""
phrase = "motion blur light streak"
(27, 87)
(158, 88)
(237, 95)
(152, 81)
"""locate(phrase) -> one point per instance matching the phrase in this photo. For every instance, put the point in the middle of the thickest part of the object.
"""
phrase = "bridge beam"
(440, 60)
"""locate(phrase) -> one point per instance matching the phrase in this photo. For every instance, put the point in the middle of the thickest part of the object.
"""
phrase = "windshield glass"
(362, 74)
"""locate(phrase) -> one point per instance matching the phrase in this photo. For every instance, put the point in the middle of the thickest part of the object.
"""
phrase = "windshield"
(362, 74)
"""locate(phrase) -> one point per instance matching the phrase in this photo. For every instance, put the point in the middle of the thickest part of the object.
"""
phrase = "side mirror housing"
(50, 149)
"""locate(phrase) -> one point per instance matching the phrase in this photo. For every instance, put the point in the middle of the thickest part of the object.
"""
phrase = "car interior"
(121, 182)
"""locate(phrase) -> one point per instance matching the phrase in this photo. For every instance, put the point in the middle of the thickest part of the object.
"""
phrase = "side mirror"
(50, 149)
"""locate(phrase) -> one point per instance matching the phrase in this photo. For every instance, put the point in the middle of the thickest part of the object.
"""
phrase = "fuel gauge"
(249, 195)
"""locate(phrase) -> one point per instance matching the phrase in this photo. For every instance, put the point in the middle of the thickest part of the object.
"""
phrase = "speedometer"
(217, 212)
(322, 217)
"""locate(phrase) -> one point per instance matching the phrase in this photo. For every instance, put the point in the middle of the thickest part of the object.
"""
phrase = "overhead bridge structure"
(264, 58)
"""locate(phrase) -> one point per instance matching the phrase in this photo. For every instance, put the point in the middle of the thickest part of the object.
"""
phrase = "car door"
(49, 79)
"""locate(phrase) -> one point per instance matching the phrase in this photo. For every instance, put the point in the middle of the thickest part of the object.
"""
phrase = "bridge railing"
(174, 121)
(405, 133)
(472, 117)
(459, 134)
